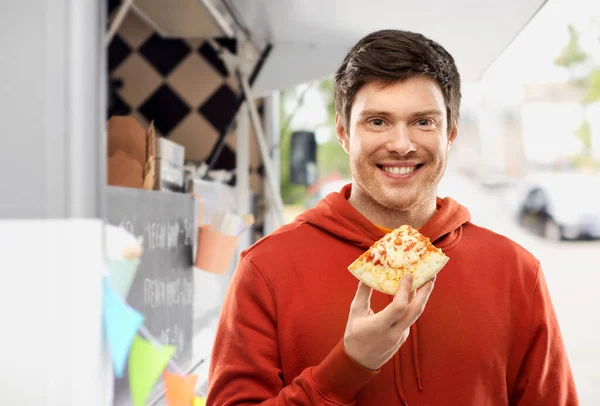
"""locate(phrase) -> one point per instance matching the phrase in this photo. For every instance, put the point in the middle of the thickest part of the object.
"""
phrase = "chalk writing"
(160, 293)
(175, 336)
(188, 231)
(128, 226)
(163, 287)
(163, 236)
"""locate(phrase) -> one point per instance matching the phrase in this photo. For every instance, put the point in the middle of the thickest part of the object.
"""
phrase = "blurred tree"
(593, 87)
(584, 134)
(574, 58)
(290, 193)
(571, 54)
(326, 89)
(331, 158)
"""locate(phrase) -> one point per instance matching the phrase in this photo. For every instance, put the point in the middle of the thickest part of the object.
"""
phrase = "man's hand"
(372, 339)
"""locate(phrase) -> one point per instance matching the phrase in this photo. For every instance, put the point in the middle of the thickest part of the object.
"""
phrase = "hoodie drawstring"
(415, 355)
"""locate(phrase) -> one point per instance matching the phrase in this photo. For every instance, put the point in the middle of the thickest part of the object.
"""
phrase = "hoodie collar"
(336, 216)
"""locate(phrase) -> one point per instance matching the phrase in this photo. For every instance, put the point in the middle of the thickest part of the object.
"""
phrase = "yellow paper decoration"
(146, 363)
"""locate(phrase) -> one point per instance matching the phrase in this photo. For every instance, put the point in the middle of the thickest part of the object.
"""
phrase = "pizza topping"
(409, 246)
(400, 252)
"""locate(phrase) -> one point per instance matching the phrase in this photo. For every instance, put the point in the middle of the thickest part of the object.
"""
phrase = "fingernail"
(409, 278)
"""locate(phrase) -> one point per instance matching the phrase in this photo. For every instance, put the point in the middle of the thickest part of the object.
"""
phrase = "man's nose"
(399, 141)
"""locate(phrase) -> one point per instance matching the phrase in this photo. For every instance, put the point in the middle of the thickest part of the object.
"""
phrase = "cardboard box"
(131, 153)
(127, 135)
(149, 168)
(124, 171)
(139, 159)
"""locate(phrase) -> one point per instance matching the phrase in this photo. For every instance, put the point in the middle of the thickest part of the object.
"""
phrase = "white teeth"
(399, 170)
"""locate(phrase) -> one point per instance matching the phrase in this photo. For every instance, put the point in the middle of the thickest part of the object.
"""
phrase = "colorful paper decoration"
(179, 390)
(122, 273)
(121, 324)
(199, 401)
(146, 362)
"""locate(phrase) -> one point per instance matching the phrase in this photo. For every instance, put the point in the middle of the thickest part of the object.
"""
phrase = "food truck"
(141, 149)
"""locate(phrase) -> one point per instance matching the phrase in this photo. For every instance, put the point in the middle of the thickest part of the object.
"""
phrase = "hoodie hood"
(336, 216)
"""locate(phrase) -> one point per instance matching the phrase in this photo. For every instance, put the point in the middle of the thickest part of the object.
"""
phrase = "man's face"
(397, 142)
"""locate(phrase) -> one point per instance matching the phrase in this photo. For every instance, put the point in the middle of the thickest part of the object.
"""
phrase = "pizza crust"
(430, 267)
(385, 278)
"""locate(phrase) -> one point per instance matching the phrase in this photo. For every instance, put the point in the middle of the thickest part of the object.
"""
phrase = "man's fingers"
(420, 300)
(394, 310)
(415, 309)
(404, 294)
(412, 294)
(362, 299)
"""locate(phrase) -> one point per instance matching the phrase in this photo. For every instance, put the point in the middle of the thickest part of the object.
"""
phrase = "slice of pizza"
(400, 252)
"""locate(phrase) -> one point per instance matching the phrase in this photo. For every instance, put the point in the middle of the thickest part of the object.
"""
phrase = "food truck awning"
(310, 37)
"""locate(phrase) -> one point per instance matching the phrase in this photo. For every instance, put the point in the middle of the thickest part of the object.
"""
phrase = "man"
(295, 329)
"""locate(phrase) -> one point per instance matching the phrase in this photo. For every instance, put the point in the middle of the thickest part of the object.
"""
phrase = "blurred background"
(115, 112)
(526, 162)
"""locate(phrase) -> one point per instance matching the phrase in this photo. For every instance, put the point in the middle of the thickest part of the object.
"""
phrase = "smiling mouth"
(399, 170)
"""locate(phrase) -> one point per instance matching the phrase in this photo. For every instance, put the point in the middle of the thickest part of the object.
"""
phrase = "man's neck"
(416, 217)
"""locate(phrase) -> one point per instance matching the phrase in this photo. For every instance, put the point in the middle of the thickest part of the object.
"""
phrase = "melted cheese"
(402, 251)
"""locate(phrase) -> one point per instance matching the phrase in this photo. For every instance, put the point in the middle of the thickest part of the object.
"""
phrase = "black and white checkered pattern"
(184, 87)
(181, 84)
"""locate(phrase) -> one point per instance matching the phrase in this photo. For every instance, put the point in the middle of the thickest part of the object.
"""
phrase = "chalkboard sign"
(163, 288)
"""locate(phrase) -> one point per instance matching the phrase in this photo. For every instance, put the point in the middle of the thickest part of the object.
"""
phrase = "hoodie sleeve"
(245, 367)
(545, 377)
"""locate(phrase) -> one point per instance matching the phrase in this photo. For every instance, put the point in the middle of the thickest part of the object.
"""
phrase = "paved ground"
(572, 270)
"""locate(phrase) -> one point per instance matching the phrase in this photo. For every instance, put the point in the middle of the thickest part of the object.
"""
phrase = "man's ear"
(342, 134)
(453, 133)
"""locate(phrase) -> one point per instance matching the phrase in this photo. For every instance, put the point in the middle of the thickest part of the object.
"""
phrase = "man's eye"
(424, 122)
(377, 122)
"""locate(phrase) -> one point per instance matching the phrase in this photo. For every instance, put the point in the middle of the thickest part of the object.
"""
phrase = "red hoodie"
(488, 336)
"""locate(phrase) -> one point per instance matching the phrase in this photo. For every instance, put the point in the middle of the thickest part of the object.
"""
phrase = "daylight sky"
(548, 128)
(529, 59)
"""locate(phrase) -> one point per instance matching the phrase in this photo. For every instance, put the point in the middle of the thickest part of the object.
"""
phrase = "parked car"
(562, 206)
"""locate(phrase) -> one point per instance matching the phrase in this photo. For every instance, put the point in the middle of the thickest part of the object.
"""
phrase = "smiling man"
(397, 136)
(295, 329)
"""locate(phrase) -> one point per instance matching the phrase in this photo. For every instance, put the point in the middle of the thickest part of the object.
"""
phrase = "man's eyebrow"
(428, 112)
(383, 113)
(374, 112)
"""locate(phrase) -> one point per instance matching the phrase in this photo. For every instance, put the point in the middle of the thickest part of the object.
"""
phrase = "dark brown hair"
(391, 56)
